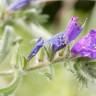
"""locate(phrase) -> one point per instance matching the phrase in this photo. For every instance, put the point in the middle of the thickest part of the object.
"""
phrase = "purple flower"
(86, 47)
(18, 4)
(57, 42)
(34, 51)
(62, 39)
(73, 29)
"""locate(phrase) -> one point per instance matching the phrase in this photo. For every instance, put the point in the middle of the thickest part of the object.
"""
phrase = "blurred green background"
(63, 82)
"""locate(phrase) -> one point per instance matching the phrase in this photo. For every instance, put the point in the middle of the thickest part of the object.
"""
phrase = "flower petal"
(73, 29)
(18, 4)
(34, 51)
(57, 42)
(86, 47)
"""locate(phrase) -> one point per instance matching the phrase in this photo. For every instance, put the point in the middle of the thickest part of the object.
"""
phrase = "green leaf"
(85, 69)
(6, 41)
(80, 76)
(8, 89)
(90, 69)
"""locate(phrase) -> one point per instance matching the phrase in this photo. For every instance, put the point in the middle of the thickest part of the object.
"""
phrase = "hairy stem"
(37, 66)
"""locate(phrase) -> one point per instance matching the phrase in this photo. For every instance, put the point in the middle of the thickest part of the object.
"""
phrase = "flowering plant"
(80, 58)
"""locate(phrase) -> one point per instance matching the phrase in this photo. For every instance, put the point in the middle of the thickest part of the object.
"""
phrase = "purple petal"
(58, 41)
(62, 39)
(73, 29)
(86, 47)
(18, 4)
(34, 51)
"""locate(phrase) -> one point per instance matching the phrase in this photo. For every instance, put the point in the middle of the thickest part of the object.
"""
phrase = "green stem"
(44, 65)
(37, 66)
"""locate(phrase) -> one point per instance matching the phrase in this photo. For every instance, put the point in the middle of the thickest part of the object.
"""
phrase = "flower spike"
(62, 39)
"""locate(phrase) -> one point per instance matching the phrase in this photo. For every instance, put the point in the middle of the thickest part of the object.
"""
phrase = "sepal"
(49, 52)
